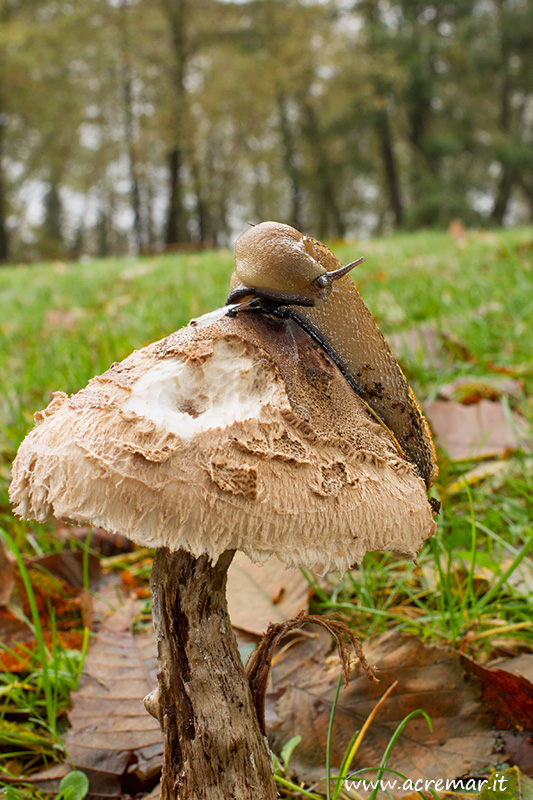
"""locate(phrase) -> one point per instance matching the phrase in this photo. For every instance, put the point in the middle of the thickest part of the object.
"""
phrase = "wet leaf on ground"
(430, 678)
(476, 431)
(515, 786)
(7, 573)
(469, 389)
(113, 739)
(258, 595)
(423, 346)
(509, 695)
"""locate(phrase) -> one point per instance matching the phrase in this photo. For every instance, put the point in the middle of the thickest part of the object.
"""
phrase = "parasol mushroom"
(238, 432)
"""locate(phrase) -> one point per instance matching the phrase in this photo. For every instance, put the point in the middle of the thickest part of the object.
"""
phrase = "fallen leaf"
(17, 659)
(67, 565)
(47, 780)
(508, 695)
(258, 595)
(487, 469)
(103, 542)
(59, 318)
(422, 345)
(456, 348)
(113, 739)
(469, 389)
(12, 629)
(57, 582)
(476, 431)
(518, 749)
(430, 678)
(520, 665)
(515, 786)
(498, 471)
(7, 573)
(457, 230)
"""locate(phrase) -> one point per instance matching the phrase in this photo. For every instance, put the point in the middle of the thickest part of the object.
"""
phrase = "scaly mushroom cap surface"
(239, 433)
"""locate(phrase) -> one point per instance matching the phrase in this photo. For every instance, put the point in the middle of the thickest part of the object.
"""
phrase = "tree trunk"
(177, 12)
(129, 133)
(289, 162)
(175, 213)
(507, 179)
(389, 167)
(503, 195)
(4, 244)
(53, 215)
(102, 238)
(327, 193)
(203, 225)
(527, 188)
(213, 746)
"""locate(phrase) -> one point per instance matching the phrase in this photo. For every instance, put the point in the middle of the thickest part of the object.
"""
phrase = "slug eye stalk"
(324, 281)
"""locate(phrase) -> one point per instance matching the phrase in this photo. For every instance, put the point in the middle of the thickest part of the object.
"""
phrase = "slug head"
(281, 266)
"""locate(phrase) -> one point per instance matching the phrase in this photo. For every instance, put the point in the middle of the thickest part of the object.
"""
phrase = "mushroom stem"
(213, 747)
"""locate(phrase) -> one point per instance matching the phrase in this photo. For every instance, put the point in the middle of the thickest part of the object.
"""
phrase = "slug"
(281, 271)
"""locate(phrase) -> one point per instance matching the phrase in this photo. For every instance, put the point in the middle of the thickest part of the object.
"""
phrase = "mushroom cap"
(232, 433)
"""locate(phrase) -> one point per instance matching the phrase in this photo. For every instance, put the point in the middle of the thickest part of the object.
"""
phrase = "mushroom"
(238, 432)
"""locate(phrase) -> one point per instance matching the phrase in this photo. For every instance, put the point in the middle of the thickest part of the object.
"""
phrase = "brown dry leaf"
(422, 345)
(67, 565)
(59, 318)
(518, 749)
(470, 389)
(103, 542)
(430, 678)
(18, 660)
(518, 745)
(113, 739)
(47, 780)
(476, 431)
(520, 665)
(457, 230)
(7, 573)
(428, 347)
(258, 595)
(497, 471)
(12, 629)
(487, 469)
(57, 582)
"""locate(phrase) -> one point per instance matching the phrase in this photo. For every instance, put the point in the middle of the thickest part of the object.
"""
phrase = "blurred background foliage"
(128, 125)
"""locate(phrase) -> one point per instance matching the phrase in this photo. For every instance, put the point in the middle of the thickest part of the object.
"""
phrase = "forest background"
(133, 126)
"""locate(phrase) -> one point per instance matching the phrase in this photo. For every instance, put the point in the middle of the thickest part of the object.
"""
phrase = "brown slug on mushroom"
(283, 272)
(283, 267)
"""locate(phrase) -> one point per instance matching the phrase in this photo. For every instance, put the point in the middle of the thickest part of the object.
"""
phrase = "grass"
(35, 699)
(62, 323)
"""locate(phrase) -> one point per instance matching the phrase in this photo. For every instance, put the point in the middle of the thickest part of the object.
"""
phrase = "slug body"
(281, 271)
